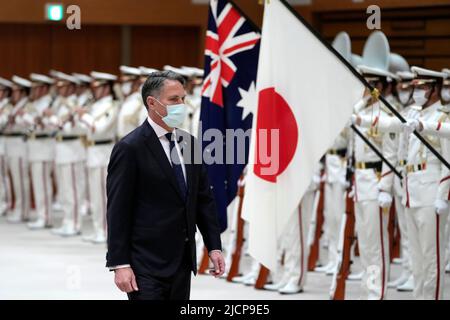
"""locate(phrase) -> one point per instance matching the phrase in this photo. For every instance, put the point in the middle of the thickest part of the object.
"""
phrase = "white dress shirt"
(160, 133)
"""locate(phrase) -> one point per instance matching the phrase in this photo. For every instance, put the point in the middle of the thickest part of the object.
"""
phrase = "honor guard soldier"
(5, 108)
(17, 151)
(373, 178)
(401, 100)
(129, 114)
(145, 72)
(194, 97)
(83, 91)
(70, 154)
(41, 149)
(101, 125)
(85, 99)
(426, 184)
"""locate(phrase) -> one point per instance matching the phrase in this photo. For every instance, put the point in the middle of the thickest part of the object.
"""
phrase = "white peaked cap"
(376, 51)
(21, 82)
(195, 72)
(342, 44)
(397, 63)
(36, 77)
(5, 83)
(82, 77)
(130, 70)
(356, 60)
(365, 70)
(103, 76)
(422, 72)
(147, 71)
(177, 70)
(405, 75)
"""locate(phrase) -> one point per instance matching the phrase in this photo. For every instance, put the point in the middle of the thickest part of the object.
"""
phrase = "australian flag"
(228, 95)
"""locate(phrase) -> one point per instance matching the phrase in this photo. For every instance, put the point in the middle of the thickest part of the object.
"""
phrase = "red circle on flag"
(276, 135)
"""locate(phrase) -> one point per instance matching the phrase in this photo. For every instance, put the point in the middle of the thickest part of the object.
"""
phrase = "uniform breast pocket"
(422, 188)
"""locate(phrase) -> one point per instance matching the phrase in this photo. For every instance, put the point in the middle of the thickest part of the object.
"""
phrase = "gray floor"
(39, 265)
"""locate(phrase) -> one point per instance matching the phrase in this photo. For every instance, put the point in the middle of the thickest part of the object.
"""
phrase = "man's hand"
(125, 280)
(218, 262)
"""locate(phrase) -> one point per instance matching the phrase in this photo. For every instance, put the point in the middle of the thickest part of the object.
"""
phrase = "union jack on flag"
(229, 92)
(223, 41)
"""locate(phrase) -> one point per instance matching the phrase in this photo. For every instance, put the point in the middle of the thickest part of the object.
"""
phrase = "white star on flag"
(249, 100)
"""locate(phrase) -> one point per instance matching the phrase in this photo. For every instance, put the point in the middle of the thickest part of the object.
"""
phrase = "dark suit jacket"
(148, 220)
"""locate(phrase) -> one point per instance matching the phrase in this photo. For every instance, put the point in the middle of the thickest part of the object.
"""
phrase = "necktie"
(176, 166)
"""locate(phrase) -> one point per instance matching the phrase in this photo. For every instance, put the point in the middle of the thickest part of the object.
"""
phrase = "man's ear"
(150, 102)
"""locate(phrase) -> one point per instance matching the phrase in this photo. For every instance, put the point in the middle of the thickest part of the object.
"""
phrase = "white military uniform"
(5, 108)
(129, 115)
(70, 155)
(371, 221)
(334, 204)
(392, 126)
(40, 155)
(17, 153)
(101, 122)
(427, 182)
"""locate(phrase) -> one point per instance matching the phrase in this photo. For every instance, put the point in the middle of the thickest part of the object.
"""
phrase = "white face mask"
(404, 96)
(126, 88)
(420, 97)
(445, 94)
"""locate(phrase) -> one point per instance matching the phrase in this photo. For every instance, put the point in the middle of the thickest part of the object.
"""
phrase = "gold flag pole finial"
(375, 93)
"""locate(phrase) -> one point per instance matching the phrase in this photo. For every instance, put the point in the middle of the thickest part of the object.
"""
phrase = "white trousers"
(5, 192)
(42, 188)
(69, 188)
(426, 233)
(296, 258)
(404, 244)
(373, 243)
(21, 187)
(97, 195)
(334, 208)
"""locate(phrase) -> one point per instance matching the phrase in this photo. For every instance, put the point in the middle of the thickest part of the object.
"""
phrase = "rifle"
(394, 234)
(262, 277)
(234, 268)
(317, 224)
(204, 264)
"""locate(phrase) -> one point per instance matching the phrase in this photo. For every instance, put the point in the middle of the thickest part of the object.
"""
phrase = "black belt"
(340, 152)
(370, 165)
(14, 134)
(40, 136)
(99, 142)
(67, 138)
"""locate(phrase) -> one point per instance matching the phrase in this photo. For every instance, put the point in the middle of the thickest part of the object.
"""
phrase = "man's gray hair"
(155, 81)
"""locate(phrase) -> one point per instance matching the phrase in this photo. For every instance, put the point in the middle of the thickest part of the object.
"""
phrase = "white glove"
(316, 181)
(351, 194)
(410, 126)
(441, 206)
(353, 118)
(384, 199)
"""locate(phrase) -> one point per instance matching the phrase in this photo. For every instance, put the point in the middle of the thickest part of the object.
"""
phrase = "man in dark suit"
(158, 192)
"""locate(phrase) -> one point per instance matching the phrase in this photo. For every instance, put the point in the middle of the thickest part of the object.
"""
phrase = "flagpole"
(374, 149)
(363, 81)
